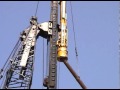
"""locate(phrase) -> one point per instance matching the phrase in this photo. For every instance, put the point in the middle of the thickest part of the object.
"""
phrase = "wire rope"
(36, 8)
(74, 37)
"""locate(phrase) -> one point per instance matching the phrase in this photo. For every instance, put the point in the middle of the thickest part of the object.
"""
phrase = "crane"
(18, 70)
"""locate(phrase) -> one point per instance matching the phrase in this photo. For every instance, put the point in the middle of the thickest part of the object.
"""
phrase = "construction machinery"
(18, 70)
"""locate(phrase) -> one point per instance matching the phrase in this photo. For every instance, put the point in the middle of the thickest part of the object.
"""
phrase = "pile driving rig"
(18, 70)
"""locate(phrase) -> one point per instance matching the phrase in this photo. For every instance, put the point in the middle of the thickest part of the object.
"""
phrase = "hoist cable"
(10, 58)
(36, 8)
(119, 44)
(5, 68)
(15, 47)
(74, 36)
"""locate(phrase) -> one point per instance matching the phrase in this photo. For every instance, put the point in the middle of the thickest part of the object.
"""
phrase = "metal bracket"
(46, 27)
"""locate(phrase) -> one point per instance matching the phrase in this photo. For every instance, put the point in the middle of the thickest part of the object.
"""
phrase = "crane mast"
(51, 80)
(18, 72)
(20, 68)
